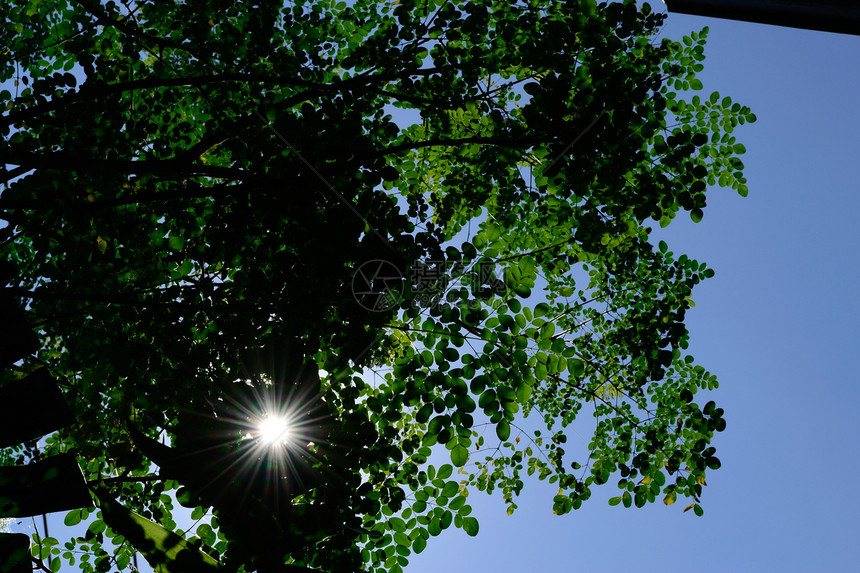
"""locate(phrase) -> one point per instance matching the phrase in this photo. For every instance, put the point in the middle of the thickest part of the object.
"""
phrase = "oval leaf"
(459, 455)
(470, 526)
(503, 430)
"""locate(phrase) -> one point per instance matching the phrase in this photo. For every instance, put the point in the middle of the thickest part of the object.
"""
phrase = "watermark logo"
(378, 285)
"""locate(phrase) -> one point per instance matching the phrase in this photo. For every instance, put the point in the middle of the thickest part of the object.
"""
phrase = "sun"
(273, 430)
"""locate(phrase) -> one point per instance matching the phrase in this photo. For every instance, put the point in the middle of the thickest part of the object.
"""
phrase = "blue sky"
(778, 325)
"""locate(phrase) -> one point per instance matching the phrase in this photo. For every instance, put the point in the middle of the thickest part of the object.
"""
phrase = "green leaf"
(206, 533)
(444, 472)
(547, 330)
(185, 268)
(423, 415)
(451, 488)
(446, 519)
(503, 430)
(427, 357)
(97, 526)
(176, 242)
(437, 424)
(459, 455)
(524, 392)
(457, 503)
(72, 518)
(470, 526)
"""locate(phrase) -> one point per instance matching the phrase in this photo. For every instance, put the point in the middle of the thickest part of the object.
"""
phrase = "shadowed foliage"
(30, 408)
(15, 553)
(53, 484)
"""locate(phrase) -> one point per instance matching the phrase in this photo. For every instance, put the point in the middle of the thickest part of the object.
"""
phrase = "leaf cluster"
(191, 192)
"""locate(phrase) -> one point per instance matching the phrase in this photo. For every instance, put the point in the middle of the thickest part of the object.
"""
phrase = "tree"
(411, 227)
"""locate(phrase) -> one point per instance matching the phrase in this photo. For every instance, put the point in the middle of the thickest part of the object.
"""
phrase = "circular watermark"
(377, 285)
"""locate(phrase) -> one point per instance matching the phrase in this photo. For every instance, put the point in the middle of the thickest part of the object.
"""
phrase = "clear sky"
(778, 325)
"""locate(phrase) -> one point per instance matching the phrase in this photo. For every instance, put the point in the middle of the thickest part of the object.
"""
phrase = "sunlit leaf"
(165, 551)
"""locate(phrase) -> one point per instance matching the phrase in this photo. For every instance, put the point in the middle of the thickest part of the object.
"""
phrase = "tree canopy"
(419, 231)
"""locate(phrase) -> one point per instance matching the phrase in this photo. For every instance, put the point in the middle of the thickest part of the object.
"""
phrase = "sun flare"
(273, 430)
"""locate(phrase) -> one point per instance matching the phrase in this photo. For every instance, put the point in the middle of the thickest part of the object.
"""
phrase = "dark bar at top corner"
(839, 16)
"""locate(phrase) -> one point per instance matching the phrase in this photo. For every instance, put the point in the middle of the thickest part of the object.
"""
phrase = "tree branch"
(94, 90)
(67, 161)
(523, 143)
(135, 199)
(43, 294)
(40, 565)
(126, 479)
